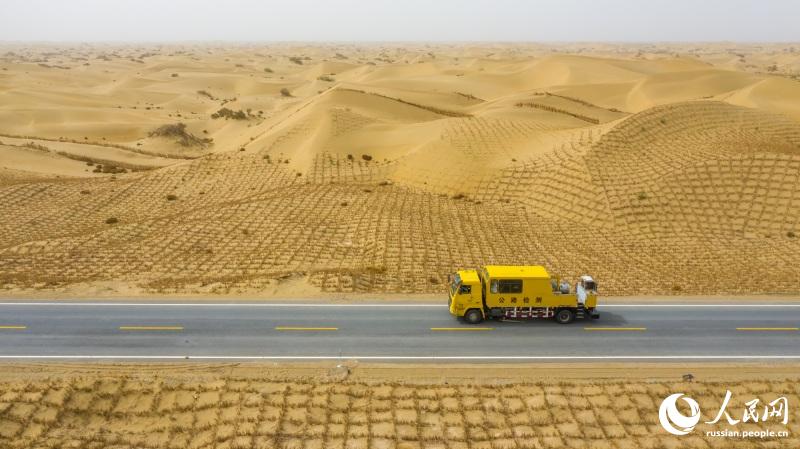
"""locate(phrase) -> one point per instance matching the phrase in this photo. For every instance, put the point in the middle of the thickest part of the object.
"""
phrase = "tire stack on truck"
(520, 292)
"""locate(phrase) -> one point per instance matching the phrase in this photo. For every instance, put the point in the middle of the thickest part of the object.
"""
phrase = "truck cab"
(520, 292)
(466, 292)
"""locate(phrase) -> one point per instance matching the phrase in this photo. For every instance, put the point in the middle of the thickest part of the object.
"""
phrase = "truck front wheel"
(473, 316)
(565, 316)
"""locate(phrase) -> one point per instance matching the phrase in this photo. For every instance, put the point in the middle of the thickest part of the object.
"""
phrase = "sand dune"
(175, 169)
(772, 94)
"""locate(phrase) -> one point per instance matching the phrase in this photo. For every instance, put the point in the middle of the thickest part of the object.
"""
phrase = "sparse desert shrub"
(349, 157)
(296, 60)
(206, 94)
(174, 75)
(327, 78)
(791, 234)
(230, 114)
(172, 197)
(641, 196)
(366, 157)
(36, 146)
(183, 137)
(285, 92)
(433, 109)
(108, 168)
(468, 96)
(268, 70)
(459, 196)
(548, 108)
(112, 220)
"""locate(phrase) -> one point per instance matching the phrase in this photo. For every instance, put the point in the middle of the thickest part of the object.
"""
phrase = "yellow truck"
(520, 292)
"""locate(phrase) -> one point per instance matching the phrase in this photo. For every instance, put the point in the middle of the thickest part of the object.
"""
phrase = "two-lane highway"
(391, 332)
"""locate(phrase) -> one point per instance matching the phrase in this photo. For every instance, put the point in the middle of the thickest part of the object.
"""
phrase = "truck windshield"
(455, 284)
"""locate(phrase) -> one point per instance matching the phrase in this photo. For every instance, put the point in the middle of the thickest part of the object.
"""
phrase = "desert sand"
(297, 169)
(322, 406)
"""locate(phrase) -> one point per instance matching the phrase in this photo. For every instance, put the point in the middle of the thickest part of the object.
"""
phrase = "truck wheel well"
(473, 316)
(564, 315)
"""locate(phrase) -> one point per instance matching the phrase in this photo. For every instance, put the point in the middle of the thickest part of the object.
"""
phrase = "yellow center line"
(14, 327)
(462, 328)
(615, 328)
(290, 328)
(151, 328)
(768, 328)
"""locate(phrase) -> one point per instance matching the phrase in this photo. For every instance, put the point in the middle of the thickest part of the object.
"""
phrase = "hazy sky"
(400, 20)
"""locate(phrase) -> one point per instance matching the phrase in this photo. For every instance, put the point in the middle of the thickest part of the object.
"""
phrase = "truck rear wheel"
(565, 316)
(473, 316)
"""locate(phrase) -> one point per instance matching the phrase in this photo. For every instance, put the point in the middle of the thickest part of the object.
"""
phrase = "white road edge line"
(200, 304)
(391, 357)
(171, 304)
(602, 306)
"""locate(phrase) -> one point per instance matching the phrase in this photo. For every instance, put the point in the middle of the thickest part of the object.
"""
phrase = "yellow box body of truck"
(519, 292)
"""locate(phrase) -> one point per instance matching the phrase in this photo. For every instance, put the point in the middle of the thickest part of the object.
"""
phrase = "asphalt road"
(395, 332)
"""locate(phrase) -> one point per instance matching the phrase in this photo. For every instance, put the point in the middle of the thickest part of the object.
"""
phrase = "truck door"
(469, 293)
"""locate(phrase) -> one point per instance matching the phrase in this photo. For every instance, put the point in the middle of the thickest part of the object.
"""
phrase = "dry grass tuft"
(230, 114)
(179, 133)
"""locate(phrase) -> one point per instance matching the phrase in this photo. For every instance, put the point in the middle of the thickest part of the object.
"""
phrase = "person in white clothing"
(580, 291)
